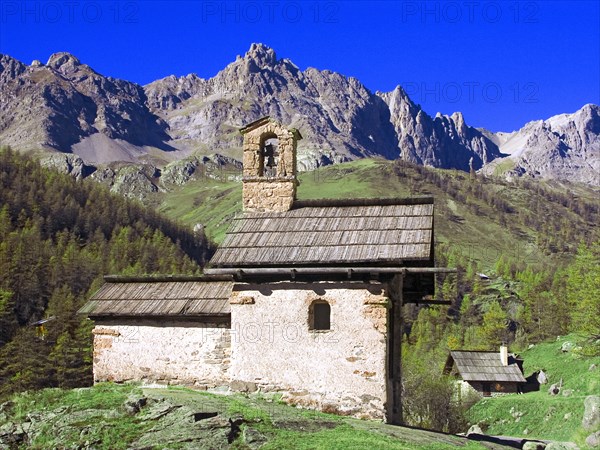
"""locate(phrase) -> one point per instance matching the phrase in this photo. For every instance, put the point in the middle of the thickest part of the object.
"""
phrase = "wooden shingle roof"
(367, 232)
(484, 366)
(192, 297)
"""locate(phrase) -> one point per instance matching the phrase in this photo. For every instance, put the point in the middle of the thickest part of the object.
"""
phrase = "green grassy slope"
(538, 414)
(209, 202)
(477, 227)
(97, 418)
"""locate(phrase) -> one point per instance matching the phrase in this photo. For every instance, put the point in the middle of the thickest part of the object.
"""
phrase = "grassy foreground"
(538, 414)
(101, 417)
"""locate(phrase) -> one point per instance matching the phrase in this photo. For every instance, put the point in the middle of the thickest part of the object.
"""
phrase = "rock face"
(132, 181)
(565, 147)
(70, 164)
(65, 105)
(63, 102)
(340, 119)
(443, 141)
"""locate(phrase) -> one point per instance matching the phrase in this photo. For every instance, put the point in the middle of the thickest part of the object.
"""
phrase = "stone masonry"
(262, 193)
(164, 352)
(340, 370)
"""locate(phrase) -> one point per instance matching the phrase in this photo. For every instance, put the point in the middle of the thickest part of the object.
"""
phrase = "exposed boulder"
(214, 167)
(254, 438)
(134, 404)
(593, 440)
(567, 347)
(133, 181)
(554, 389)
(68, 163)
(562, 446)
(591, 413)
(532, 445)
(474, 429)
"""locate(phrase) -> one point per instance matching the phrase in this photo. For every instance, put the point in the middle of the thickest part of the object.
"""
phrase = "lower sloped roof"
(148, 297)
(484, 366)
(368, 232)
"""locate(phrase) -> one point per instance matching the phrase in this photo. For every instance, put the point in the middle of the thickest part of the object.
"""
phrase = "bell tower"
(269, 159)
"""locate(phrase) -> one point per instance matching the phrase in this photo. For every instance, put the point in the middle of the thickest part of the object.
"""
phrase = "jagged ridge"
(66, 106)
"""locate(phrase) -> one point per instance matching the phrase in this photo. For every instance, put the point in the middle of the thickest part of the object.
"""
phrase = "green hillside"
(58, 237)
(538, 414)
(483, 218)
(527, 235)
(538, 241)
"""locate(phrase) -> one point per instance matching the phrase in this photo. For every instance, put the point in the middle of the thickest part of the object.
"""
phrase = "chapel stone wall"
(342, 370)
(166, 352)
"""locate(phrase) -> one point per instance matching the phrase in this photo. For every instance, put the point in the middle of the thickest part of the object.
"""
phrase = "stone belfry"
(269, 159)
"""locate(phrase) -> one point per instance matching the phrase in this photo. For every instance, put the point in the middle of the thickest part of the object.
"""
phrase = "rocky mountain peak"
(10, 68)
(565, 146)
(63, 62)
(399, 92)
(590, 116)
(459, 122)
(71, 108)
(261, 55)
(443, 141)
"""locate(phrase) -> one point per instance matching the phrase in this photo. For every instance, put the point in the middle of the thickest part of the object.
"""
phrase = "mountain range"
(64, 106)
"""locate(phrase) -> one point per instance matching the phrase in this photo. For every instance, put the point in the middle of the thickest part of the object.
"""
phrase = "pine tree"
(583, 290)
(493, 330)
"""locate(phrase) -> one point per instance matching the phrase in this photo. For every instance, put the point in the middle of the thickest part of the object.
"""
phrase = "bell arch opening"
(269, 155)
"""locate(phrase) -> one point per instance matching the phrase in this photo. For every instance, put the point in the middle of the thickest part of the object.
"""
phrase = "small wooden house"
(302, 297)
(486, 373)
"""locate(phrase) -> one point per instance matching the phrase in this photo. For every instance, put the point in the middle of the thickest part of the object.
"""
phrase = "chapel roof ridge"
(375, 201)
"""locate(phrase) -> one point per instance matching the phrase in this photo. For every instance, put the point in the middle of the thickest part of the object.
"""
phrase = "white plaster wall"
(165, 352)
(343, 370)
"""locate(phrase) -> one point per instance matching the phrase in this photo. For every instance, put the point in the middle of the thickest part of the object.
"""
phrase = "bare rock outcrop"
(443, 141)
(566, 147)
(59, 104)
(66, 106)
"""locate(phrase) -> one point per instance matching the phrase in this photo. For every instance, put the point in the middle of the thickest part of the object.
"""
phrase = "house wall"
(170, 352)
(342, 370)
(496, 388)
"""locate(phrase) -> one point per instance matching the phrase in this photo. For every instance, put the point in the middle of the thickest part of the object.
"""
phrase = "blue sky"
(502, 63)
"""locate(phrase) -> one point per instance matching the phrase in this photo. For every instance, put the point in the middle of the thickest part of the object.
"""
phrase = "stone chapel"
(302, 298)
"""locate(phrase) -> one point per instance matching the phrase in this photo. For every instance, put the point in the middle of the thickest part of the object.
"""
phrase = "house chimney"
(504, 354)
(269, 159)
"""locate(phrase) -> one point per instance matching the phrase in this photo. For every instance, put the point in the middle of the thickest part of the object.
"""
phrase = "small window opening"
(320, 316)
(270, 155)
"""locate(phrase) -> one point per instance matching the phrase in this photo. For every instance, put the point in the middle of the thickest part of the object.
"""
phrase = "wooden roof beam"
(294, 271)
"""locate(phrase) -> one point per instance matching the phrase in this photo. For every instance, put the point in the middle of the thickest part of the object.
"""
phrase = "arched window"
(319, 315)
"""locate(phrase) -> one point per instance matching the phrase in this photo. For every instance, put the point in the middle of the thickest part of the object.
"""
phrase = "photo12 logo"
(471, 92)
(25, 11)
(469, 11)
(269, 12)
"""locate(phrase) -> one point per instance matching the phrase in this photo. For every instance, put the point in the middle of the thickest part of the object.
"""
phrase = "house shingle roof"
(373, 232)
(194, 297)
(484, 366)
